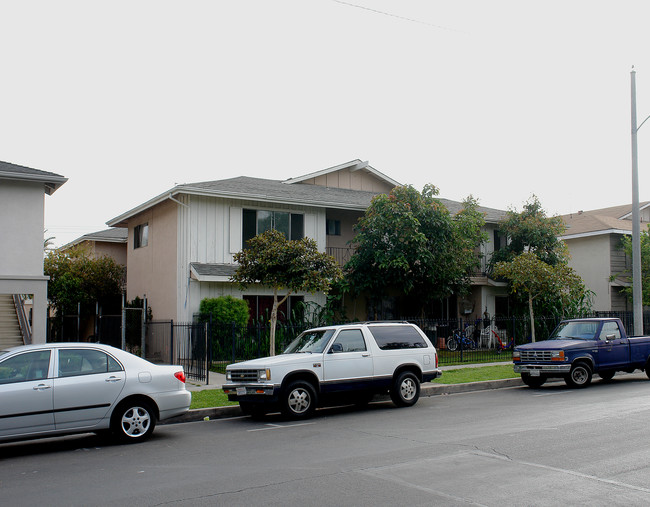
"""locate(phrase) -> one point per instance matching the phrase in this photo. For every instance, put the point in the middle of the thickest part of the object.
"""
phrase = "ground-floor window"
(260, 307)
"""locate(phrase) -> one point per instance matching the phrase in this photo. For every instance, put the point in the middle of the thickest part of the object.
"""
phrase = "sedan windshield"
(310, 342)
(575, 331)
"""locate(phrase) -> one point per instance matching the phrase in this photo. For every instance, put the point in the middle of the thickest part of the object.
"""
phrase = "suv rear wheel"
(406, 389)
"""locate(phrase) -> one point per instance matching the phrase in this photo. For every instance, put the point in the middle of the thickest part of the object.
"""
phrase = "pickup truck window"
(350, 340)
(611, 330)
(310, 342)
(581, 330)
(397, 337)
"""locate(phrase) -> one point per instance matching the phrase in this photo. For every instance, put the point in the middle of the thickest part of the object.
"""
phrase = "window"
(610, 331)
(140, 235)
(260, 307)
(258, 221)
(74, 362)
(25, 367)
(349, 340)
(397, 337)
(333, 227)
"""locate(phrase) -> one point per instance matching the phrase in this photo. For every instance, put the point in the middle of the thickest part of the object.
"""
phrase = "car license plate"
(533, 373)
(241, 391)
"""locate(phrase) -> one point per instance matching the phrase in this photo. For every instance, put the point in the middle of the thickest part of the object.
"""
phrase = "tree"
(286, 266)
(225, 309)
(531, 231)
(76, 277)
(408, 241)
(535, 263)
(626, 245)
(534, 278)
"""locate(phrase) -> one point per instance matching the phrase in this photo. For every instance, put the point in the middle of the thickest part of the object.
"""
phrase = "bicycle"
(460, 340)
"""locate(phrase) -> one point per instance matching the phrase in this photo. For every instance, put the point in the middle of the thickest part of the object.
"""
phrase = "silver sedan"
(59, 388)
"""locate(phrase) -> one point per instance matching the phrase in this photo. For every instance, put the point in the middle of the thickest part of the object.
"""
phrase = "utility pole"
(637, 293)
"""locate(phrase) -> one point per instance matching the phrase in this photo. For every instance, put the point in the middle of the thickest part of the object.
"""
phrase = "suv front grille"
(243, 375)
(535, 355)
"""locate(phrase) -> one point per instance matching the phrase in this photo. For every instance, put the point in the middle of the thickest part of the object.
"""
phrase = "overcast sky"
(498, 99)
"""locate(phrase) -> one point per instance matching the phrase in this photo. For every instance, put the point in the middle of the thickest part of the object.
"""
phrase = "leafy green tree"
(408, 241)
(626, 244)
(531, 230)
(77, 277)
(287, 266)
(225, 309)
(533, 278)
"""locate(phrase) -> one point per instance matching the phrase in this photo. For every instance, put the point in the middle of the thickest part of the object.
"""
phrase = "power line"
(397, 16)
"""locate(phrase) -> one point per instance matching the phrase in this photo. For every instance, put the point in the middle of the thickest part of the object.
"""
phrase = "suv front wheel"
(298, 400)
(406, 389)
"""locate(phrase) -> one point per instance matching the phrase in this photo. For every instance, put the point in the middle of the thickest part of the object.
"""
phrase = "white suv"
(335, 363)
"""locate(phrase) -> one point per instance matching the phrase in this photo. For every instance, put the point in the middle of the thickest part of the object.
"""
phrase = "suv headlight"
(228, 375)
(264, 374)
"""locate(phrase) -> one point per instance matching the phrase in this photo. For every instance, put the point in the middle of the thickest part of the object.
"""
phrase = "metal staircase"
(10, 334)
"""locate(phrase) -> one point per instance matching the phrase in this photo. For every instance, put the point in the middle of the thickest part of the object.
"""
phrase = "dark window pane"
(297, 226)
(249, 226)
(397, 337)
(282, 223)
(264, 221)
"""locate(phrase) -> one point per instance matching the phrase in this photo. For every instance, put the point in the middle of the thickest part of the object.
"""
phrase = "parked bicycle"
(460, 341)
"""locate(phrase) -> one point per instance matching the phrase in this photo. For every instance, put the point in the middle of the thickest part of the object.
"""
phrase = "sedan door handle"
(113, 379)
(41, 387)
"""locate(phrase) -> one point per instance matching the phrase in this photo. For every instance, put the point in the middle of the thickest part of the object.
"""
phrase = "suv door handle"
(41, 387)
(365, 355)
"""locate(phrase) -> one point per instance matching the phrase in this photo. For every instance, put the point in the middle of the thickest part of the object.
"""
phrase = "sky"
(501, 100)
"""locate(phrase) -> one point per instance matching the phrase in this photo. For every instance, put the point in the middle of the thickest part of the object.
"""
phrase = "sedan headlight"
(264, 374)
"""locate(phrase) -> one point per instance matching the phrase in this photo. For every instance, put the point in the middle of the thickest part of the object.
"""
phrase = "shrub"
(225, 310)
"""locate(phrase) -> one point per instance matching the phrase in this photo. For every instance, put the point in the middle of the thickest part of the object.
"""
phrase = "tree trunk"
(274, 321)
(532, 316)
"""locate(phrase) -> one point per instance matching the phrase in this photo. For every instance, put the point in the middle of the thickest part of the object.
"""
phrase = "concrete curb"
(200, 414)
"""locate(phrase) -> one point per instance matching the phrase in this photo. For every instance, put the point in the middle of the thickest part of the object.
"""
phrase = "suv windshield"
(310, 341)
(575, 331)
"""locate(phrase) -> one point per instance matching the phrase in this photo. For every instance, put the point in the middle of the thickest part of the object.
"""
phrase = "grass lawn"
(464, 375)
(209, 398)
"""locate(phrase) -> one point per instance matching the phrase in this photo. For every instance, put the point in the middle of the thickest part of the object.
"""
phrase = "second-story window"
(258, 221)
(140, 235)
(333, 227)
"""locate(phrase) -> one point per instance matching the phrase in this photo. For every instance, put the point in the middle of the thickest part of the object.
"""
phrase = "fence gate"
(191, 349)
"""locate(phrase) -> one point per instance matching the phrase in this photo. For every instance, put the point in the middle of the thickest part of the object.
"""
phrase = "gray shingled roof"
(245, 187)
(52, 181)
(213, 269)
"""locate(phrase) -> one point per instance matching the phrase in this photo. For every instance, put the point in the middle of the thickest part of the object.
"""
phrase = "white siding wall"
(210, 231)
(590, 257)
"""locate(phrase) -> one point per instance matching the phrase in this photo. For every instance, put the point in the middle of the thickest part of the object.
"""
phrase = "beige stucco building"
(181, 244)
(22, 202)
(594, 242)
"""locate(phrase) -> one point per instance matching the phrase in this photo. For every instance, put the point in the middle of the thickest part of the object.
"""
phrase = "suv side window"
(397, 337)
(24, 367)
(350, 340)
(610, 328)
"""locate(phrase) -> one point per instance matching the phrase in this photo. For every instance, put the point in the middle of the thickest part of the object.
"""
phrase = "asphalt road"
(516, 446)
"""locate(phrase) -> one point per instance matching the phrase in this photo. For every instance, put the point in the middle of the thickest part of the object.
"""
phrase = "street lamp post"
(637, 293)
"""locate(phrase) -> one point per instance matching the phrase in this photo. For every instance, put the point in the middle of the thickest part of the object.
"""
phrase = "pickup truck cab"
(336, 363)
(578, 348)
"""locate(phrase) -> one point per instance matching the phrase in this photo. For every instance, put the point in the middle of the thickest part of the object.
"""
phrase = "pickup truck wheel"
(579, 376)
(606, 375)
(533, 382)
(299, 400)
(406, 390)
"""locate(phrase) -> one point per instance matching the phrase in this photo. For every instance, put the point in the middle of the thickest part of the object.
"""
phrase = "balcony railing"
(341, 254)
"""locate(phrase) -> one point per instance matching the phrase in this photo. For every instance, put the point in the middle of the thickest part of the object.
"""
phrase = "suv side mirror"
(336, 347)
